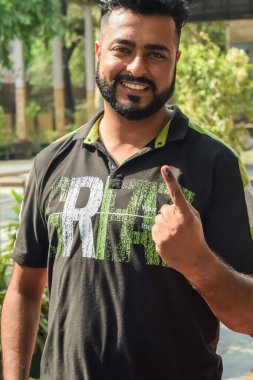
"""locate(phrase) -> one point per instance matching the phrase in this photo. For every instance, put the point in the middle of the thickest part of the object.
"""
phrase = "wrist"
(205, 271)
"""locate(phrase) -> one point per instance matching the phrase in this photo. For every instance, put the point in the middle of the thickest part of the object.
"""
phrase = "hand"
(178, 232)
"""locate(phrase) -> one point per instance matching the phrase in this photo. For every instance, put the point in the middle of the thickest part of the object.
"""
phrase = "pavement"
(14, 166)
(235, 349)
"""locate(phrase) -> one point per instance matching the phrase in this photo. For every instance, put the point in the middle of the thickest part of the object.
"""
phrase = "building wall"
(203, 10)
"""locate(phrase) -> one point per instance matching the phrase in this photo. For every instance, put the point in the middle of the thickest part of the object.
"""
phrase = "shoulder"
(196, 139)
(47, 155)
(206, 151)
(215, 153)
(62, 146)
(210, 145)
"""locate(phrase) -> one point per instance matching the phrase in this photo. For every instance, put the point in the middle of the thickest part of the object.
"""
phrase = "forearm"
(228, 293)
(180, 241)
(20, 318)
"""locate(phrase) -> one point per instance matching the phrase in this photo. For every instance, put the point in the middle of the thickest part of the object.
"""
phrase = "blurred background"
(47, 65)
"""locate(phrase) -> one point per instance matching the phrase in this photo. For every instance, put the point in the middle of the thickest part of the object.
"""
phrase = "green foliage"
(77, 66)
(39, 73)
(26, 20)
(214, 88)
(84, 2)
(216, 30)
(32, 109)
(74, 43)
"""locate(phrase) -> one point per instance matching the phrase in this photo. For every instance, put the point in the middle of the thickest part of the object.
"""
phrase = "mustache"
(131, 78)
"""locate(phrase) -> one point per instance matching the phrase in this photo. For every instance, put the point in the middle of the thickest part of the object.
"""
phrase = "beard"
(132, 110)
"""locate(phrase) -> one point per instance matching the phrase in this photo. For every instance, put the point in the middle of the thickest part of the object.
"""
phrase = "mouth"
(135, 86)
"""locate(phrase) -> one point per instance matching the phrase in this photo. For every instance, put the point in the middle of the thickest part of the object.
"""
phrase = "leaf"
(18, 197)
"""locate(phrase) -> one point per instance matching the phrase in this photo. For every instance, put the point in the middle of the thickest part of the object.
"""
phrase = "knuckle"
(165, 209)
(158, 248)
(197, 213)
(166, 212)
(158, 218)
(154, 230)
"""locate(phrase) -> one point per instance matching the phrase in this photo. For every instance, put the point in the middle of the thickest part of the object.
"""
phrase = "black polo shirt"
(116, 310)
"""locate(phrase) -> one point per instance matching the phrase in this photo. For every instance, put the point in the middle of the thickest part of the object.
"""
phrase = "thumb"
(174, 190)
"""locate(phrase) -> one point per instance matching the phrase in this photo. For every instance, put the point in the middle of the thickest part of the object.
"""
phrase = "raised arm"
(180, 241)
(20, 319)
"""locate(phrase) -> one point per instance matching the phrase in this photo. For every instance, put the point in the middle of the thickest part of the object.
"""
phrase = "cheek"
(164, 75)
(110, 67)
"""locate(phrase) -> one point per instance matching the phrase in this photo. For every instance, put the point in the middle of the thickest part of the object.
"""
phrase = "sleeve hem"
(21, 260)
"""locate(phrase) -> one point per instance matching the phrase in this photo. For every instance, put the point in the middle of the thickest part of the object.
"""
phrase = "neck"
(115, 127)
(123, 138)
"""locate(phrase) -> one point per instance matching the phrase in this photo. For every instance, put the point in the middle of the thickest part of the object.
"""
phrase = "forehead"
(125, 24)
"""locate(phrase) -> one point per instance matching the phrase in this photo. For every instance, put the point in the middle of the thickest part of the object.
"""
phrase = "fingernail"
(168, 173)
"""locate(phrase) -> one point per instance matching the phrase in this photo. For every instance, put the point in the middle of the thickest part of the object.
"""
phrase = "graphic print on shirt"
(134, 221)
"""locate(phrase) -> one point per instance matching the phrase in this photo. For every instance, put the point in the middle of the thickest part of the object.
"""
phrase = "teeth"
(133, 86)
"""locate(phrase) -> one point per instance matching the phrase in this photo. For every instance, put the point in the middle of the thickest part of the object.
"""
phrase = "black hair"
(177, 9)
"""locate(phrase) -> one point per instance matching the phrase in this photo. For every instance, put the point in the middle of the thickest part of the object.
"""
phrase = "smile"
(133, 86)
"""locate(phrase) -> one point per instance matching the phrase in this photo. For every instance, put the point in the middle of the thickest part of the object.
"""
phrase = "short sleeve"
(31, 246)
(228, 223)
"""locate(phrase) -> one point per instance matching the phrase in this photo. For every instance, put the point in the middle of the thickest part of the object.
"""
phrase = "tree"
(27, 20)
(77, 29)
(22, 22)
(214, 88)
(216, 30)
(31, 20)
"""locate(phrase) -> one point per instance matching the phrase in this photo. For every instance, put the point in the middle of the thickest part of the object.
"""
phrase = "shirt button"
(113, 166)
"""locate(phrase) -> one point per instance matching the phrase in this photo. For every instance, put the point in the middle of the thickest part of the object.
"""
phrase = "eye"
(157, 55)
(120, 50)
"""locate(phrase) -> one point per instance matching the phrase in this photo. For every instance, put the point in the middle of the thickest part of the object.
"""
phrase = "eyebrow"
(123, 42)
(157, 47)
(147, 46)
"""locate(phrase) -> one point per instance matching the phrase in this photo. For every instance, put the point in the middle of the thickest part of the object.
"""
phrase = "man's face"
(137, 58)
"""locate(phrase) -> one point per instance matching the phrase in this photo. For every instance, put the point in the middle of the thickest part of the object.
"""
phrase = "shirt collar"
(175, 130)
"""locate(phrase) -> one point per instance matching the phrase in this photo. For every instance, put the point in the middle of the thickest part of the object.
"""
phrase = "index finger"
(174, 189)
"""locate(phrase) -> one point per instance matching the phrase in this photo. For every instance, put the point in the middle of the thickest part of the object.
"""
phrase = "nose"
(137, 66)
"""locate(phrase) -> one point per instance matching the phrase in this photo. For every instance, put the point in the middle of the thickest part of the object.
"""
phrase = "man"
(117, 309)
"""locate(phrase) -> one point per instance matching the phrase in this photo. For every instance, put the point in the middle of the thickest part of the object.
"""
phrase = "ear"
(178, 55)
(97, 49)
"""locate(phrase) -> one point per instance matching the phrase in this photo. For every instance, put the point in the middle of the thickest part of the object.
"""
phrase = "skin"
(20, 319)
(129, 45)
(179, 240)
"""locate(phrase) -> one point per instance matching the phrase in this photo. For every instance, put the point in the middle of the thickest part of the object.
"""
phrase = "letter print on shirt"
(64, 221)
(133, 222)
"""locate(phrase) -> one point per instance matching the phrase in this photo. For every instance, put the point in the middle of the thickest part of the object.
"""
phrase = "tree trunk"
(58, 86)
(68, 92)
(89, 61)
(20, 90)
